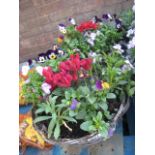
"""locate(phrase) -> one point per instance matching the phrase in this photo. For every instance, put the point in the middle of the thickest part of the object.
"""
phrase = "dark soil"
(113, 106)
(76, 133)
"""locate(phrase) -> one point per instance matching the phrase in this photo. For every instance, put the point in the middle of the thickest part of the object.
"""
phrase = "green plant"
(32, 90)
(56, 113)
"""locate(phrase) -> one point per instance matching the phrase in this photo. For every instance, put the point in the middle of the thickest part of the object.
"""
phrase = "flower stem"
(64, 123)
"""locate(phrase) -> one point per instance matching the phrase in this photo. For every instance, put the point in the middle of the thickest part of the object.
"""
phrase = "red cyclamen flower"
(87, 26)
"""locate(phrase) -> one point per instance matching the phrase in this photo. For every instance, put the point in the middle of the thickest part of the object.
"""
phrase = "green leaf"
(99, 115)
(70, 119)
(85, 125)
(57, 131)
(52, 100)
(40, 110)
(72, 113)
(47, 108)
(67, 95)
(91, 99)
(81, 114)
(58, 92)
(131, 91)
(104, 106)
(42, 118)
(103, 132)
(123, 82)
(111, 96)
(92, 128)
(51, 127)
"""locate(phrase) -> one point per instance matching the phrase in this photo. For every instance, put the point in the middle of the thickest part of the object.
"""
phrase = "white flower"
(130, 32)
(98, 32)
(90, 41)
(128, 63)
(93, 55)
(109, 16)
(25, 69)
(62, 28)
(72, 21)
(93, 35)
(46, 88)
(131, 43)
(118, 48)
(39, 69)
(27, 81)
(61, 52)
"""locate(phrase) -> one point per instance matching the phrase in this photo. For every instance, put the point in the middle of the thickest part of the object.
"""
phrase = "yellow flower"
(59, 40)
(105, 85)
(53, 56)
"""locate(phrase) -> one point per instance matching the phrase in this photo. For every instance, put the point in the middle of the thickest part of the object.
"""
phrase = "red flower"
(71, 66)
(68, 71)
(63, 79)
(89, 25)
(49, 77)
(86, 63)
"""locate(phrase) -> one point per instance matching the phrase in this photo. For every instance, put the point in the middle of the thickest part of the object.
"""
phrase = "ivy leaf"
(85, 125)
(42, 118)
(57, 131)
(111, 96)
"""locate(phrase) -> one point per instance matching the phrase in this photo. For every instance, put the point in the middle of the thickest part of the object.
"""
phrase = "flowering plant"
(80, 84)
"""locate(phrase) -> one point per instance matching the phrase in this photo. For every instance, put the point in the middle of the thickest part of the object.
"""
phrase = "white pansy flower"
(72, 21)
(39, 69)
(131, 43)
(118, 48)
(62, 28)
(130, 32)
(90, 41)
(93, 36)
(128, 62)
(93, 55)
(25, 69)
(46, 88)
(109, 16)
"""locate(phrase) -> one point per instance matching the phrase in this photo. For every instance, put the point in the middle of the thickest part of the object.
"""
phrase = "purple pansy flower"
(51, 54)
(99, 85)
(74, 104)
(118, 23)
(41, 57)
(96, 19)
(107, 16)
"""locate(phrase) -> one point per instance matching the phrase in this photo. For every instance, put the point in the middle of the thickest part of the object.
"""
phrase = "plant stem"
(64, 123)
